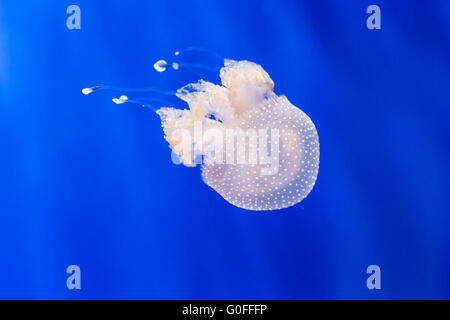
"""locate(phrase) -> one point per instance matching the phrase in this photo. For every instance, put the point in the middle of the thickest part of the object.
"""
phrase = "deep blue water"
(87, 182)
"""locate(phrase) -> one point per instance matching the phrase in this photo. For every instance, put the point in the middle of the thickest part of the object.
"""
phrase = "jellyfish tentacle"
(159, 101)
(124, 99)
(197, 65)
(145, 105)
(198, 49)
(89, 90)
(162, 65)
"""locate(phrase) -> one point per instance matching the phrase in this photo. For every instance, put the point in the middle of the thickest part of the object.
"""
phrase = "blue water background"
(87, 182)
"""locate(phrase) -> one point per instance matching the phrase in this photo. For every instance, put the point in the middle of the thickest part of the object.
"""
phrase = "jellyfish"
(255, 148)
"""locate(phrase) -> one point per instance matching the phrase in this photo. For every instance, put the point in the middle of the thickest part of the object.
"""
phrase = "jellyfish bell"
(259, 151)
(286, 146)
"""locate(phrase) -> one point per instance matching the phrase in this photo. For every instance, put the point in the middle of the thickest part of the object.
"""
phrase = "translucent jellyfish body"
(258, 151)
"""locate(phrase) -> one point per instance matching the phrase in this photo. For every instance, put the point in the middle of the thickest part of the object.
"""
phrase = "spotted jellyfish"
(276, 163)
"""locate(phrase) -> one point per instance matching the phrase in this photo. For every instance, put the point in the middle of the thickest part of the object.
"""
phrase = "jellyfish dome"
(257, 150)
